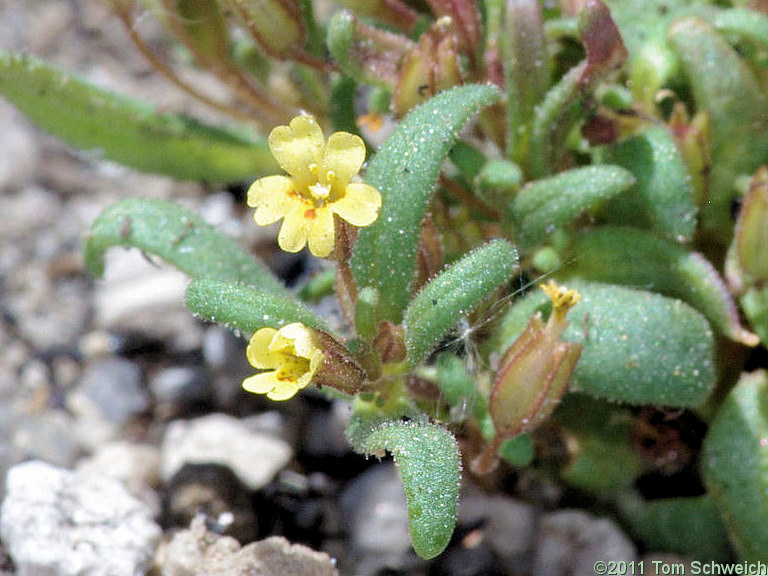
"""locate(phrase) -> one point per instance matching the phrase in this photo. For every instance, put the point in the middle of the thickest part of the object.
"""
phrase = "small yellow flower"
(320, 185)
(291, 357)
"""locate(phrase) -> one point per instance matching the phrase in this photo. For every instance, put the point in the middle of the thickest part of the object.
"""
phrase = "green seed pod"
(276, 25)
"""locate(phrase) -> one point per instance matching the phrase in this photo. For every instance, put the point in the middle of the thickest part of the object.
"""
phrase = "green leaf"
(430, 466)
(735, 465)
(526, 69)
(640, 258)
(246, 309)
(662, 198)
(405, 171)
(643, 25)
(689, 526)
(454, 293)
(639, 347)
(180, 237)
(603, 458)
(755, 306)
(129, 131)
(723, 85)
(545, 204)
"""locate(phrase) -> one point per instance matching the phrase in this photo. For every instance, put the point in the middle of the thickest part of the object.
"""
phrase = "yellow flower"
(291, 356)
(320, 185)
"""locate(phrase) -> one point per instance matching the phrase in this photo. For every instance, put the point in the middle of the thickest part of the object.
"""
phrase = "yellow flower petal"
(301, 339)
(316, 361)
(258, 353)
(261, 383)
(321, 233)
(283, 390)
(297, 146)
(272, 197)
(344, 155)
(360, 204)
(293, 233)
(263, 189)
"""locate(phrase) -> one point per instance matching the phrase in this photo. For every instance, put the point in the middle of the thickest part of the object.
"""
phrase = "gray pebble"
(571, 541)
(62, 523)
(507, 525)
(180, 386)
(114, 386)
(373, 506)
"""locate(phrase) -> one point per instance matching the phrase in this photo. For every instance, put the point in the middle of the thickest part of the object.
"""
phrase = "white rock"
(60, 523)
(136, 466)
(220, 439)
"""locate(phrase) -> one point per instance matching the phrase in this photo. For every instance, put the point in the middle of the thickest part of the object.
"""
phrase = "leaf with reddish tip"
(556, 115)
(605, 48)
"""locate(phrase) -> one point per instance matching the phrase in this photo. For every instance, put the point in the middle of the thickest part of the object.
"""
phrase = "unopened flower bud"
(533, 375)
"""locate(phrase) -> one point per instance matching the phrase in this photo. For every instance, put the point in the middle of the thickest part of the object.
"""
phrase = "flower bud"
(533, 375)
(432, 66)
(275, 25)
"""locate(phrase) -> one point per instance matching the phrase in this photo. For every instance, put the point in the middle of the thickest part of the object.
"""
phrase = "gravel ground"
(130, 446)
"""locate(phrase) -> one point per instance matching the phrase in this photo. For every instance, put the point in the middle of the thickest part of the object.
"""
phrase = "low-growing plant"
(601, 146)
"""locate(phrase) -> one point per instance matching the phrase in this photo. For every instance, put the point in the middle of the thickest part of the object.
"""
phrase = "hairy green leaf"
(180, 237)
(603, 458)
(454, 293)
(545, 204)
(689, 526)
(662, 197)
(430, 466)
(735, 465)
(640, 258)
(755, 305)
(246, 309)
(405, 171)
(639, 347)
(129, 131)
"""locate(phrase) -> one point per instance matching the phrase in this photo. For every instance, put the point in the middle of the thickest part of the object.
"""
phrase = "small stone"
(220, 439)
(325, 436)
(469, 561)
(48, 436)
(21, 154)
(507, 525)
(136, 466)
(374, 509)
(113, 385)
(571, 541)
(180, 387)
(137, 295)
(198, 552)
(62, 523)
(215, 491)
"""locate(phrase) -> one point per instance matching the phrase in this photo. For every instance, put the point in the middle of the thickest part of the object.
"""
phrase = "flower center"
(321, 190)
